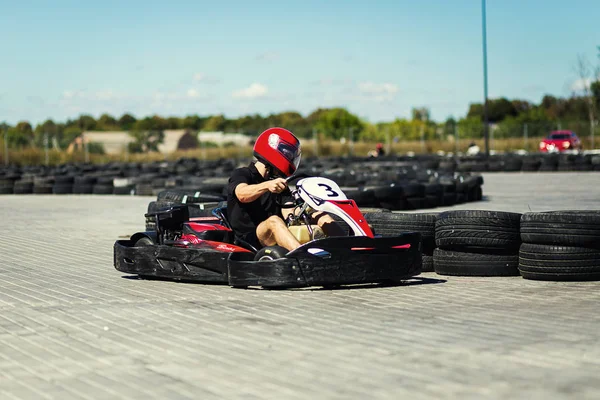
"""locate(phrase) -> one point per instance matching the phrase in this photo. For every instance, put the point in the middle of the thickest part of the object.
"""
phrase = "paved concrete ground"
(73, 327)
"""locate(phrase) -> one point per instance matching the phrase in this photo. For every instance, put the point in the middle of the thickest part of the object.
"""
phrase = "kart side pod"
(332, 261)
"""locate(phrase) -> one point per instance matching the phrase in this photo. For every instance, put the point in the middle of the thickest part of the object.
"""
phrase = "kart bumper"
(190, 264)
(332, 261)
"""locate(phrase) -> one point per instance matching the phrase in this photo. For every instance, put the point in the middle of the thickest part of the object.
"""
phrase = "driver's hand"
(276, 185)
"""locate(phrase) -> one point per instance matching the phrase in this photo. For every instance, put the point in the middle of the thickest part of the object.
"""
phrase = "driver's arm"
(248, 193)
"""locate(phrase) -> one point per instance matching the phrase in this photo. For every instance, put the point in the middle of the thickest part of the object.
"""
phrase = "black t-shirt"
(245, 217)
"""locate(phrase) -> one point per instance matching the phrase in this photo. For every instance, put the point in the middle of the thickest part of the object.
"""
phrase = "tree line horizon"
(507, 116)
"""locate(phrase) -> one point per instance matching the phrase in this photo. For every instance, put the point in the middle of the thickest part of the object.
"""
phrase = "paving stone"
(71, 326)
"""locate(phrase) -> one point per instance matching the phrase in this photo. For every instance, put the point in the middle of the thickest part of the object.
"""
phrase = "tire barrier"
(551, 246)
(477, 243)
(560, 245)
(393, 182)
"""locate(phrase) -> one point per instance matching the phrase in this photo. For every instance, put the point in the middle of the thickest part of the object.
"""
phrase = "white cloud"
(107, 94)
(580, 85)
(378, 91)
(193, 93)
(201, 77)
(254, 91)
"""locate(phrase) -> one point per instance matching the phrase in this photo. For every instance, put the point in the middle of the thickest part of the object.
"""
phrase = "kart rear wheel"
(144, 241)
(270, 253)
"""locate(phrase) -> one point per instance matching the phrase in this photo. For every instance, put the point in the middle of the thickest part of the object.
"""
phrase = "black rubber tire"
(427, 263)
(100, 188)
(188, 196)
(270, 253)
(60, 188)
(562, 228)
(393, 224)
(144, 241)
(42, 189)
(83, 188)
(559, 263)
(128, 190)
(23, 187)
(464, 229)
(474, 264)
(6, 189)
(416, 203)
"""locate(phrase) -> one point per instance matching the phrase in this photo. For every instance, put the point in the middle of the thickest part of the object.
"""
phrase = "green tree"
(68, 135)
(595, 87)
(449, 127)
(47, 127)
(498, 109)
(470, 127)
(126, 121)
(174, 123)
(338, 123)
(420, 114)
(215, 123)
(86, 122)
(107, 122)
(194, 122)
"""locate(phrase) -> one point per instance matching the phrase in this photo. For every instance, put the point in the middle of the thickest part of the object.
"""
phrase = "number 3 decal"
(328, 190)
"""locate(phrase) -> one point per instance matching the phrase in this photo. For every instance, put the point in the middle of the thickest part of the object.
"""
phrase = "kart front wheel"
(270, 253)
(144, 241)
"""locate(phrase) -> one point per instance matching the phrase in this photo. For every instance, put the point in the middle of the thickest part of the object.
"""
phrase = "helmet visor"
(291, 152)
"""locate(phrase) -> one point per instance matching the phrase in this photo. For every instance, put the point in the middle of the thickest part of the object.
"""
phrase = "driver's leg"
(273, 231)
(328, 224)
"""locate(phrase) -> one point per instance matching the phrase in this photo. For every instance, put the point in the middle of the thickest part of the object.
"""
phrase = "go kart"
(208, 251)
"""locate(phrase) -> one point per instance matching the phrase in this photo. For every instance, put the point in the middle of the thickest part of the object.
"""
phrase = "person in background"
(378, 152)
(473, 149)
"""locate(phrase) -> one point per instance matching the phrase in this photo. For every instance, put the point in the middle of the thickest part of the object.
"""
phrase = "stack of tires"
(477, 243)
(394, 224)
(560, 245)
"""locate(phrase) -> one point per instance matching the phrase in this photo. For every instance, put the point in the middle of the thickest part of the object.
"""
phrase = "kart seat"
(221, 212)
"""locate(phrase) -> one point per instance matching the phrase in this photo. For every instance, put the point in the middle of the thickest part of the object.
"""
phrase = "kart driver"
(252, 207)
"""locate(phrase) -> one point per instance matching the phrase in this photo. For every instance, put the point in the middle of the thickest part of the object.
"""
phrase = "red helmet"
(379, 146)
(280, 149)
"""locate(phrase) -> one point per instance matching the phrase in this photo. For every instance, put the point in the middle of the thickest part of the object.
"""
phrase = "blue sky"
(378, 58)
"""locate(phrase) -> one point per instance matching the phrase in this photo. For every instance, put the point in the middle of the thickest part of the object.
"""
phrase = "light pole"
(485, 83)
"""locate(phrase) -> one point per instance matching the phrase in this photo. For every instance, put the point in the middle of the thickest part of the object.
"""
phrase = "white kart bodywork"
(321, 194)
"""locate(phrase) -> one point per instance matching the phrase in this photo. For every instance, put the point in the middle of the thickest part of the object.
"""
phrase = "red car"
(559, 141)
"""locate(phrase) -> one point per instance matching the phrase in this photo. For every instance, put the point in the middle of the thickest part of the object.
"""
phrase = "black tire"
(427, 263)
(100, 188)
(464, 229)
(143, 189)
(270, 253)
(60, 188)
(6, 189)
(416, 203)
(474, 264)
(83, 188)
(559, 263)
(42, 189)
(562, 228)
(187, 196)
(23, 187)
(124, 190)
(144, 241)
(393, 224)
